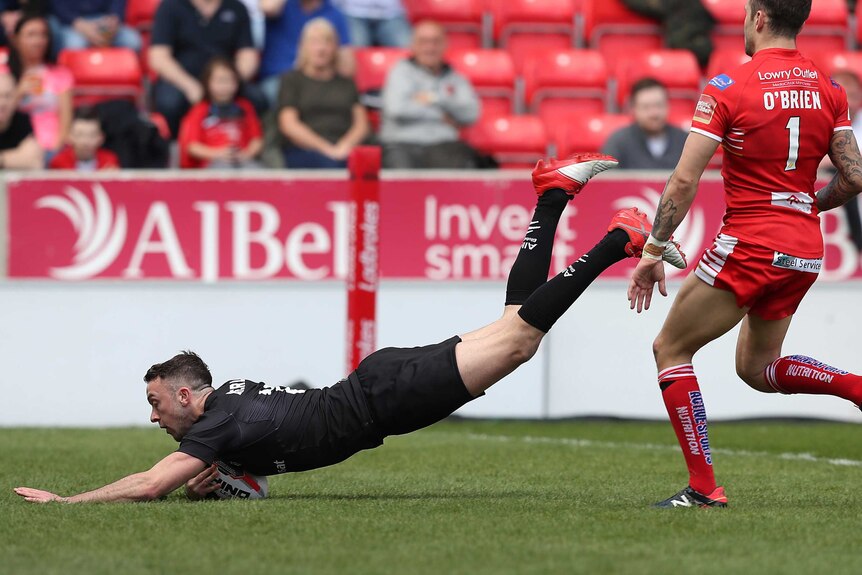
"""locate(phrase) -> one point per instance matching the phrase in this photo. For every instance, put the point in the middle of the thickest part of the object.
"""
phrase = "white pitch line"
(574, 442)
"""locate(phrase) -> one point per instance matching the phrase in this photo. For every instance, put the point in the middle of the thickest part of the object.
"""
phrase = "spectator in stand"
(84, 152)
(81, 24)
(11, 11)
(650, 143)
(285, 21)
(186, 35)
(19, 149)
(376, 22)
(222, 130)
(319, 114)
(44, 89)
(425, 104)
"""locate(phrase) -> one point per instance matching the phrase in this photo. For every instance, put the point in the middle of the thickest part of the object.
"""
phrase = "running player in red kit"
(776, 117)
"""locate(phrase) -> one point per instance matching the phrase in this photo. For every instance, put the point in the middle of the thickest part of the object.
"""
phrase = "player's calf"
(803, 374)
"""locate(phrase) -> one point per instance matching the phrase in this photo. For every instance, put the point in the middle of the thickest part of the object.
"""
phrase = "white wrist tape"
(657, 251)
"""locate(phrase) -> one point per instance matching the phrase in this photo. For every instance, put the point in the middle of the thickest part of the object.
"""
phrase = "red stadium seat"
(832, 62)
(103, 74)
(676, 69)
(140, 13)
(373, 64)
(464, 20)
(610, 27)
(511, 140)
(725, 60)
(727, 12)
(825, 29)
(561, 81)
(161, 125)
(523, 23)
(492, 74)
(581, 133)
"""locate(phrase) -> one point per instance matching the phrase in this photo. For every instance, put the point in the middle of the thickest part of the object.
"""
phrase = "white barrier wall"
(75, 354)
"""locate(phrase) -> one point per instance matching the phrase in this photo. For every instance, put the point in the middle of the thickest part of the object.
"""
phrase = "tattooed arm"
(674, 204)
(682, 185)
(844, 153)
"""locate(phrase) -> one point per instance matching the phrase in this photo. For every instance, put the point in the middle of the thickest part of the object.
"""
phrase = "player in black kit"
(267, 430)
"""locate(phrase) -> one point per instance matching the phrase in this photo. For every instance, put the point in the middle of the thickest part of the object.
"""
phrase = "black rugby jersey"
(268, 430)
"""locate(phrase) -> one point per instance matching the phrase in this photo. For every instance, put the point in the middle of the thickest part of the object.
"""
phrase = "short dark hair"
(186, 367)
(786, 17)
(644, 84)
(87, 114)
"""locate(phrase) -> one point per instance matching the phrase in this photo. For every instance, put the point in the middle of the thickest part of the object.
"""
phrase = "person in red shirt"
(776, 117)
(222, 130)
(84, 151)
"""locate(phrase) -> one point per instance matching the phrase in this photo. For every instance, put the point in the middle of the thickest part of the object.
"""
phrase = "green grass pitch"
(459, 497)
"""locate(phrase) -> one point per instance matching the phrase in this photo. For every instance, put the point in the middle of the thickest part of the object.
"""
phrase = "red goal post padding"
(364, 269)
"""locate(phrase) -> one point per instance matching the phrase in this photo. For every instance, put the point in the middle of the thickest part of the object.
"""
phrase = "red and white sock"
(687, 413)
(803, 374)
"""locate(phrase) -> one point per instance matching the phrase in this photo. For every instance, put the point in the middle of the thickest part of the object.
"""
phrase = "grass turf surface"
(459, 497)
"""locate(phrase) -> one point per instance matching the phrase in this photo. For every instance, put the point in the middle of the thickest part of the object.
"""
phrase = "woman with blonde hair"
(319, 115)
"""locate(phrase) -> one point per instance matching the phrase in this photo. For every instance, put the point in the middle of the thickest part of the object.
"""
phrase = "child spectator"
(44, 89)
(222, 130)
(84, 151)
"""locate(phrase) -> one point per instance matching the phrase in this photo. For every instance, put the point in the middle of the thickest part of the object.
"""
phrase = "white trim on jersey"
(714, 258)
(707, 134)
(840, 128)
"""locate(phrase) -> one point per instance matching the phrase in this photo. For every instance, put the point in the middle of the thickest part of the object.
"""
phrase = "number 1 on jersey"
(793, 152)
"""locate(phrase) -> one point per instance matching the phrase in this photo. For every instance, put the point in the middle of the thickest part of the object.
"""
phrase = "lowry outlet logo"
(101, 230)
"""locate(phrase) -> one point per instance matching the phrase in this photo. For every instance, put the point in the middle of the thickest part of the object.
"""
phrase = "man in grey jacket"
(425, 103)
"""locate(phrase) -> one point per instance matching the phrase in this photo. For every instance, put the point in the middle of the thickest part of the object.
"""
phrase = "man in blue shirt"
(284, 22)
(80, 24)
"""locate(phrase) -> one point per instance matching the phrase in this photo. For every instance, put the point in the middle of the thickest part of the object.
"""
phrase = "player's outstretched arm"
(165, 476)
(844, 153)
(672, 208)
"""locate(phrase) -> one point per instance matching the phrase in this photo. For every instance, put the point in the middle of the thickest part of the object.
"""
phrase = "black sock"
(550, 301)
(531, 267)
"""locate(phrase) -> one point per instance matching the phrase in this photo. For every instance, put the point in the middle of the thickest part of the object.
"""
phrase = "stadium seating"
(373, 64)
(825, 29)
(616, 31)
(140, 13)
(492, 74)
(467, 24)
(103, 74)
(676, 69)
(831, 62)
(513, 141)
(561, 82)
(582, 133)
(723, 60)
(525, 25)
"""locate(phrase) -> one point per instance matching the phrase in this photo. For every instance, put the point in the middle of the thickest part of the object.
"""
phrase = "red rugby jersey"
(775, 117)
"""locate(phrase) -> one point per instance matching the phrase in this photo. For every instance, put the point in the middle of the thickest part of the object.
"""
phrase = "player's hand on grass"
(37, 495)
(203, 483)
(646, 275)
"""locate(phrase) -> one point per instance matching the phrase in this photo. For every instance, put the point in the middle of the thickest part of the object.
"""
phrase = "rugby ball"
(235, 483)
